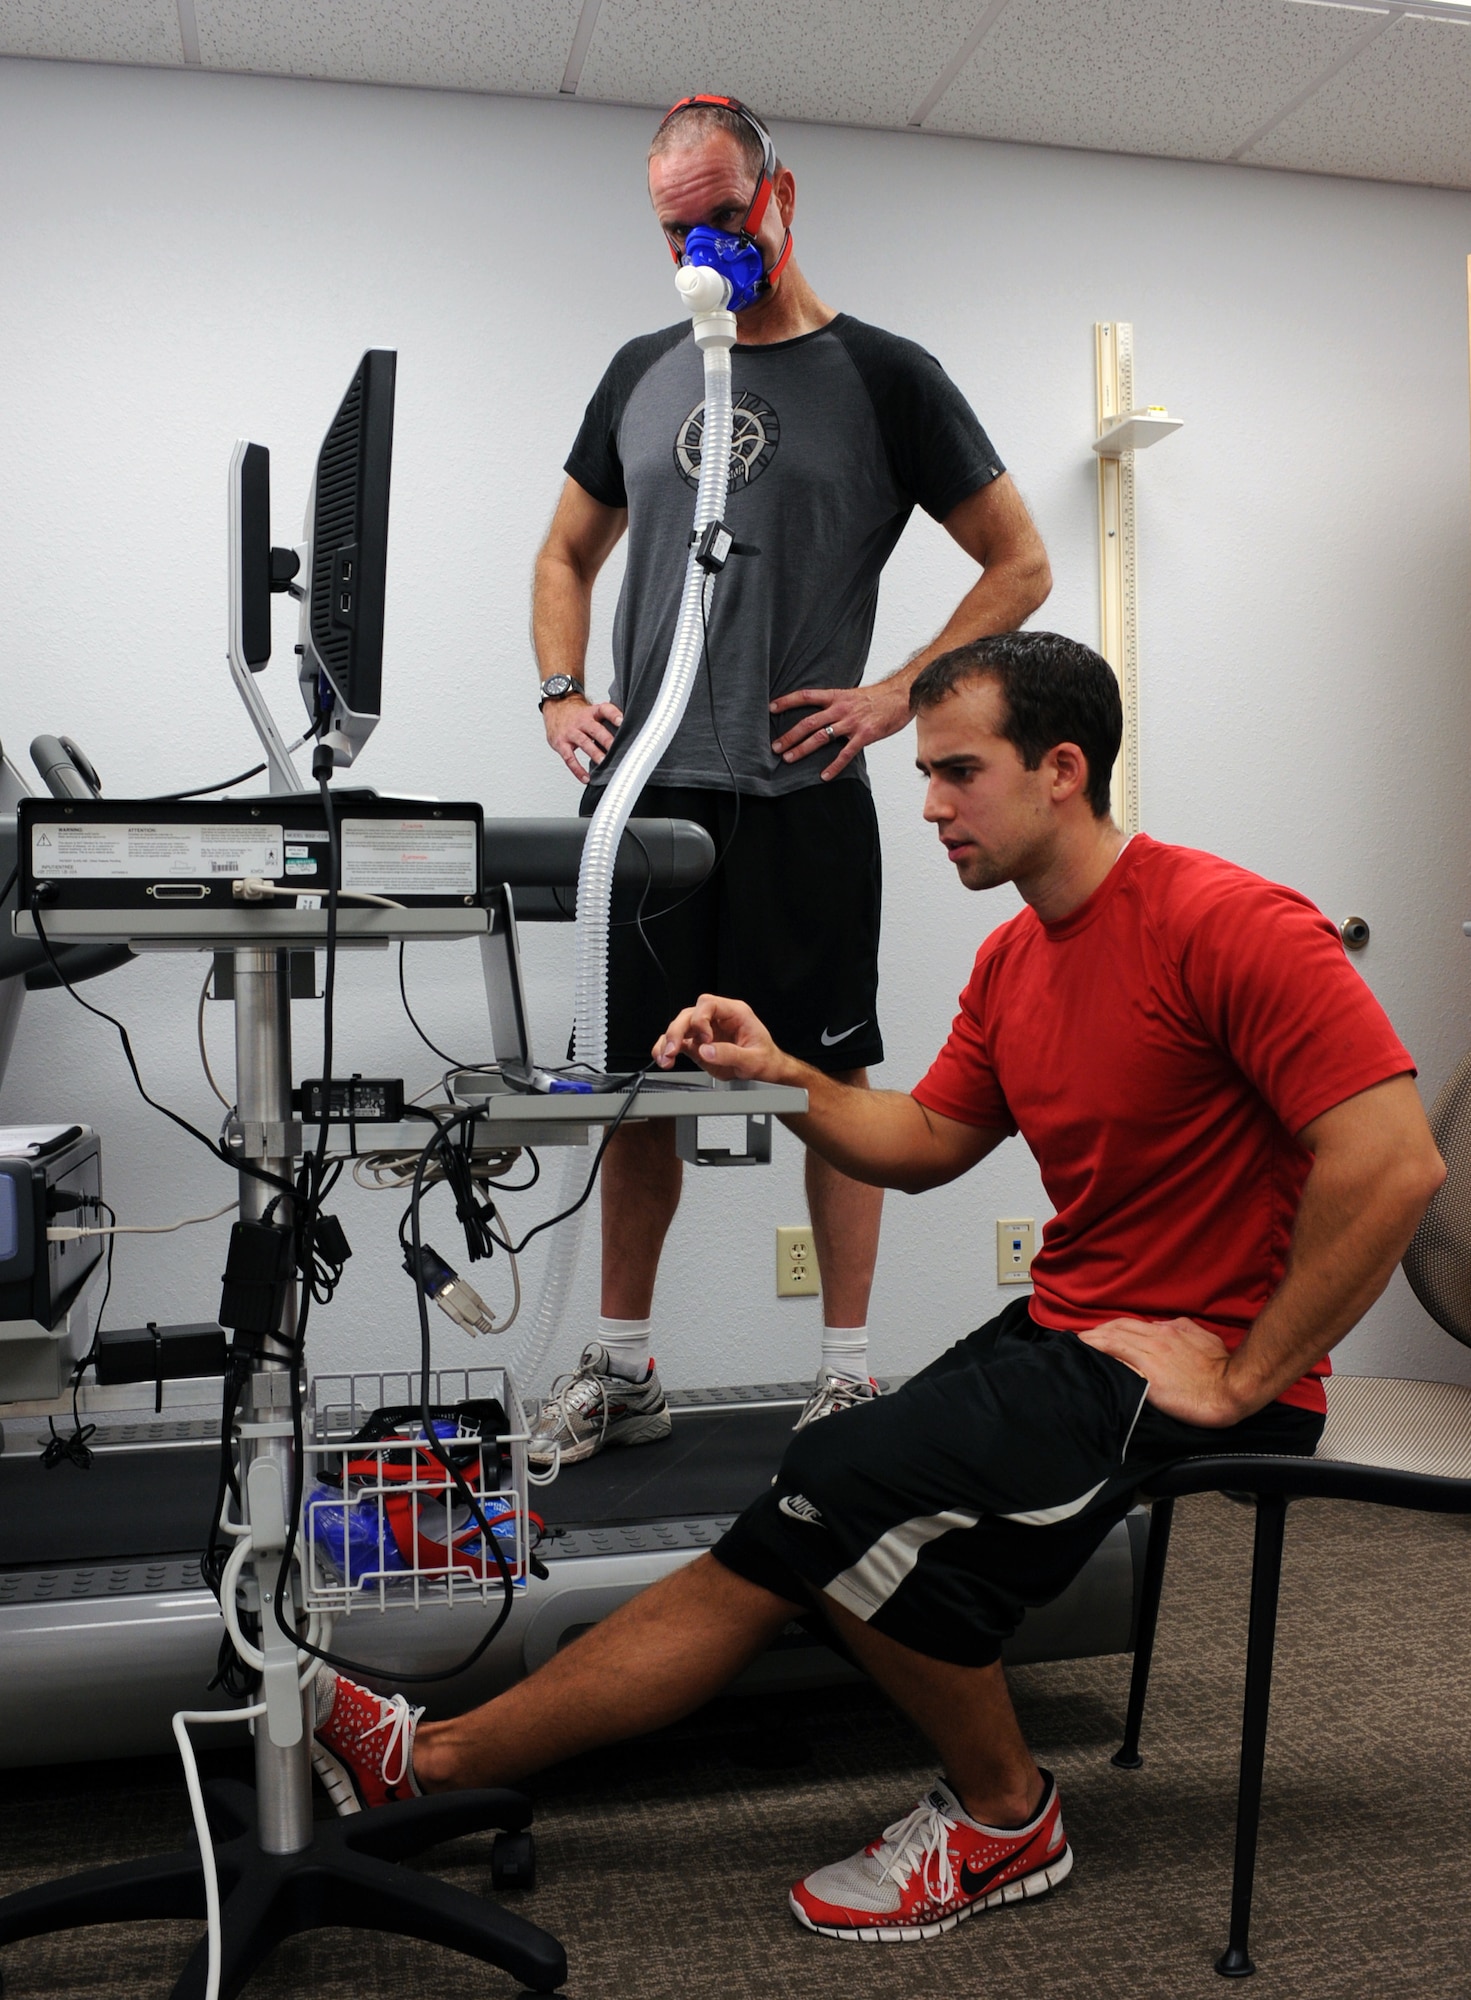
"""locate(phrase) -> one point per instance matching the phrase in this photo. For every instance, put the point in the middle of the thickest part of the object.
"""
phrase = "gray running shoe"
(834, 1391)
(591, 1408)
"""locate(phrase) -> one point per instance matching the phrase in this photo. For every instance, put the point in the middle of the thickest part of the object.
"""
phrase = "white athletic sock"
(845, 1349)
(324, 1694)
(627, 1342)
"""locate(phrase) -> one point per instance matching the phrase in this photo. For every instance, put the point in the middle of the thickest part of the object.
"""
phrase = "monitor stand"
(281, 1872)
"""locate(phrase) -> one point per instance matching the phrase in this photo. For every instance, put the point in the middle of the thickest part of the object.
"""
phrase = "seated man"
(1229, 1131)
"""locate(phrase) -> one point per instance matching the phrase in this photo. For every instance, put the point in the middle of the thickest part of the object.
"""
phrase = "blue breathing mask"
(736, 258)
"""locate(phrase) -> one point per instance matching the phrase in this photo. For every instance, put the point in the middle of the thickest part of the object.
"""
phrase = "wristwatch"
(558, 686)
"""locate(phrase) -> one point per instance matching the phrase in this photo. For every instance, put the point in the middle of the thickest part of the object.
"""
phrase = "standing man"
(840, 430)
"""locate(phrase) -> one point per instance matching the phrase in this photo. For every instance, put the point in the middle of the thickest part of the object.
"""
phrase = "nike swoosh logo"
(974, 1880)
(831, 1041)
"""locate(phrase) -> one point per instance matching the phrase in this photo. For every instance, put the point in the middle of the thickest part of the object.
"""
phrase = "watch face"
(557, 686)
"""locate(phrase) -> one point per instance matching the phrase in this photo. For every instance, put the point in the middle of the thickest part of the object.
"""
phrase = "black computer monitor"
(341, 638)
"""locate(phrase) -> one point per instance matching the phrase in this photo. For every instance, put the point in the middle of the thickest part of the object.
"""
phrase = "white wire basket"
(383, 1524)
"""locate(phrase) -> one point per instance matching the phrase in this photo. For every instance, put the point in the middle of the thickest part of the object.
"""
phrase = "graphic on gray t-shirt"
(838, 435)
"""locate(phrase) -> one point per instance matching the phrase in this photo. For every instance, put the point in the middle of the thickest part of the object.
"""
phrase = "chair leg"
(1266, 1576)
(1156, 1550)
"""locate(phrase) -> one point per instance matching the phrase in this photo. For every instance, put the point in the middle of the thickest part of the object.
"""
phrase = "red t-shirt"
(1157, 1050)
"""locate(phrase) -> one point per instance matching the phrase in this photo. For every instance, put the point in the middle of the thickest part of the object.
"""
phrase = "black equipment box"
(355, 1100)
(155, 1353)
(53, 1180)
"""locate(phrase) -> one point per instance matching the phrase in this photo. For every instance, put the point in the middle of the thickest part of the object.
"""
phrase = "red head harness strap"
(759, 201)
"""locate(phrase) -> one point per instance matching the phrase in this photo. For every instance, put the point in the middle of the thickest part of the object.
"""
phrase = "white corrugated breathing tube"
(705, 293)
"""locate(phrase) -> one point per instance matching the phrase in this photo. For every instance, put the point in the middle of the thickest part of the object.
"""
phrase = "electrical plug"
(449, 1292)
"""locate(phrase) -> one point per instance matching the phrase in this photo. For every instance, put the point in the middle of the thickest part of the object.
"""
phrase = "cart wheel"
(513, 1861)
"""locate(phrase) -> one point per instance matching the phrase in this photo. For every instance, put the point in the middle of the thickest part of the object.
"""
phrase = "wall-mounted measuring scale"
(1122, 430)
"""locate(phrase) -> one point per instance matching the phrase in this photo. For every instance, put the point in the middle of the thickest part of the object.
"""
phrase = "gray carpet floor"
(665, 1865)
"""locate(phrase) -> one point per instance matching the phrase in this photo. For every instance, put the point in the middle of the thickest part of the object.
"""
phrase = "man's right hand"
(725, 1038)
(574, 725)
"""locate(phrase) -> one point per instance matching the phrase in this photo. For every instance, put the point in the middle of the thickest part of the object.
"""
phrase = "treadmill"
(106, 1627)
(100, 1585)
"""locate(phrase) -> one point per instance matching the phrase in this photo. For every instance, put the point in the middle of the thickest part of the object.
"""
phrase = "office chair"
(1393, 1443)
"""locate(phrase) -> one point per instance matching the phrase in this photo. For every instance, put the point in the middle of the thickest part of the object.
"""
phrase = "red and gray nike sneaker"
(930, 1871)
(363, 1750)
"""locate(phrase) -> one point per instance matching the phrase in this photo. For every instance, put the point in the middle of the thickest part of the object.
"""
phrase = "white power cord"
(201, 1825)
(318, 1633)
(66, 1233)
(204, 993)
(318, 1628)
(255, 889)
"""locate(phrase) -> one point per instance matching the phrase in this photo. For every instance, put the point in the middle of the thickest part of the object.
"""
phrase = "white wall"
(190, 258)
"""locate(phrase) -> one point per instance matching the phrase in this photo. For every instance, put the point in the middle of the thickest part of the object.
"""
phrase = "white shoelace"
(922, 1841)
(837, 1393)
(398, 1720)
(564, 1390)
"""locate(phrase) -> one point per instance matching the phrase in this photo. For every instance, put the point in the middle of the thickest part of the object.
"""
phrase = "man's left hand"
(1187, 1367)
(855, 716)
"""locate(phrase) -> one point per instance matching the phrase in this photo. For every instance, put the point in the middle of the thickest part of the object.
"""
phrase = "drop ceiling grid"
(513, 46)
(124, 31)
(1401, 111)
(827, 60)
(1186, 78)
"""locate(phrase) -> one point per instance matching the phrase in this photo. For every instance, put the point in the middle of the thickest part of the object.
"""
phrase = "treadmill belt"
(141, 1505)
(127, 1506)
(716, 1462)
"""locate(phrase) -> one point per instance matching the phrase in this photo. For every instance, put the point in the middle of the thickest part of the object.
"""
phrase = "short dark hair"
(1055, 691)
(695, 123)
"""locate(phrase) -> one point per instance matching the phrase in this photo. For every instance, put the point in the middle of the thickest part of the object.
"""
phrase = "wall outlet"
(797, 1275)
(1016, 1239)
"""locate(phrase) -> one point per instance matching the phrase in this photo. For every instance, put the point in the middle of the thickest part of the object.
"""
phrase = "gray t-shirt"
(839, 434)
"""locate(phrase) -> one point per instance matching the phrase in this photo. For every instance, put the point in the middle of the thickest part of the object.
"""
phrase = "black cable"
(443, 1130)
(74, 1448)
(239, 1364)
(632, 1090)
(211, 1145)
(435, 1447)
(202, 791)
(522, 1187)
(457, 1172)
(304, 1215)
(431, 1438)
(443, 1054)
(638, 918)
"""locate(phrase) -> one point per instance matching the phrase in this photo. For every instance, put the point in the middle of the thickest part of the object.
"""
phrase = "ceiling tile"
(1401, 111)
(1188, 78)
(501, 45)
(845, 60)
(124, 31)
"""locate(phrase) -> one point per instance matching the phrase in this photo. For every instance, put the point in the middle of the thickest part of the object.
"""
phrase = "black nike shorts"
(940, 1513)
(788, 922)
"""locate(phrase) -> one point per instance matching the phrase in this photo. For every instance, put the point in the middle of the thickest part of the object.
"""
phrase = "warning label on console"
(409, 857)
(137, 851)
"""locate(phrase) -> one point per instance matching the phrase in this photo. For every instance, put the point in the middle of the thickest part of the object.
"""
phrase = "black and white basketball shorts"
(940, 1513)
(788, 922)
